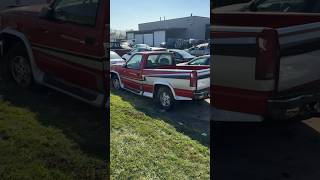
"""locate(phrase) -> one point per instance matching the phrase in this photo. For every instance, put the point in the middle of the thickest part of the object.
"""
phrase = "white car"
(115, 58)
(129, 54)
(199, 50)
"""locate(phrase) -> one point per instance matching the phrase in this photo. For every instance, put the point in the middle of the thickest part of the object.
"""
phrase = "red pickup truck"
(62, 46)
(154, 74)
(266, 60)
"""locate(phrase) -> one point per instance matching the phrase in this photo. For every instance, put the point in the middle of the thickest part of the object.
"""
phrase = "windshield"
(200, 61)
(285, 6)
(183, 53)
(114, 55)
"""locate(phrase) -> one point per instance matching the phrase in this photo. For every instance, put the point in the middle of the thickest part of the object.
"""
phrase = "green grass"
(30, 150)
(147, 148)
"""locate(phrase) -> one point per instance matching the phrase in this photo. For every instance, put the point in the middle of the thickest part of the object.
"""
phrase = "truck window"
(82, 12)
(134, 62)
(161, 60)
(177, 55)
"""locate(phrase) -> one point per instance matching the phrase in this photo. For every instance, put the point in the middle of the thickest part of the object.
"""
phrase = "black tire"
(115, 82)
(19, 66)
(165, 98)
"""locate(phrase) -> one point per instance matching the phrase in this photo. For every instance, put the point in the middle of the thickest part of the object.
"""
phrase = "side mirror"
(124, 65)
(46, 13)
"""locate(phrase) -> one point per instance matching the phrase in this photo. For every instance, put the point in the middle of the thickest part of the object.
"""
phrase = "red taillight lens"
(268, 54)
(193, 79)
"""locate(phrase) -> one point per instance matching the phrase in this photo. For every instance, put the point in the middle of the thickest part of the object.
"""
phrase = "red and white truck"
(266, 61)
(61, 46)
(154, 74)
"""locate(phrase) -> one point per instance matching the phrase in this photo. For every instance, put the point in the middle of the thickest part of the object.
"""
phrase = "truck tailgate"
(300, 52)
(203, 79)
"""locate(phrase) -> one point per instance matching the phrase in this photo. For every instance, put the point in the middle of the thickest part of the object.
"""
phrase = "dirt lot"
(82, 123)
(189, 117)
(273, 151)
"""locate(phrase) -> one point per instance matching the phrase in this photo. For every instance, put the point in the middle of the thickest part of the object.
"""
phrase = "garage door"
(148, 39)
(139, 38)
(130, 36)
(159, 37)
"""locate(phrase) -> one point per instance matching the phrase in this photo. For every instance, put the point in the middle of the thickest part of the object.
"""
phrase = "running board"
(88, 96)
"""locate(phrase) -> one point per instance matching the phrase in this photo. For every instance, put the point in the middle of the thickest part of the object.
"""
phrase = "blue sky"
(127, 14)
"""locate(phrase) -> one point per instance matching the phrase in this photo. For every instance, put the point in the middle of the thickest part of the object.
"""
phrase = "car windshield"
(183, 53)
(286, 5)
(114, 55)
(200, 61)
(141, 46)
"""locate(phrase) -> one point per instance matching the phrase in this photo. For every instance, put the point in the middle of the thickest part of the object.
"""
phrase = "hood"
(35, 9)
(232, 8)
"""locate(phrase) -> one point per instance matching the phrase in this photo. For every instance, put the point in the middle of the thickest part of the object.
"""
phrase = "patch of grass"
(29, 150)
(147, 148)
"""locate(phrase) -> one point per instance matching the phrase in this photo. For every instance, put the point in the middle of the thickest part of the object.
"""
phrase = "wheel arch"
(11, 37)
(115, 73)
(157, 85)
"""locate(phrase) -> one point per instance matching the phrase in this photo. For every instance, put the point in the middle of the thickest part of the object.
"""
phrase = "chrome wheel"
(116, 83)
(165, 99)
(21, 71)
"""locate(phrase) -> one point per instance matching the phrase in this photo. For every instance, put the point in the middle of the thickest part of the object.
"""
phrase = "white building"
(154, 33)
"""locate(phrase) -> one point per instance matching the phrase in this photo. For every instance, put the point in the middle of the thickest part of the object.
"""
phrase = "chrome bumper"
(299, 107)
(203, 94)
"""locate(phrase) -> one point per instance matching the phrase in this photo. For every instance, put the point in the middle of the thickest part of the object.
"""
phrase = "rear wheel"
(19, 66)
(165, 98)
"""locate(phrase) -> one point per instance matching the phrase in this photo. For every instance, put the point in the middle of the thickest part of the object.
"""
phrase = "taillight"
(193, 79)
(267, 55)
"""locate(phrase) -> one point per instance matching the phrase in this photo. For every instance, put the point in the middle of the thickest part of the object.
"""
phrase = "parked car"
(158, 49)
(266, 64)
(198, 61)
(128, 55)
(136, 46)
(154, 74)
(119, 48)
(199, 50)
(181, 55)
(115, 58)
(35, 48)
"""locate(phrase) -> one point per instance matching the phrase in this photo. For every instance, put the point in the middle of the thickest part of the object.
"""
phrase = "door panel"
(71, 47)
(132, 73)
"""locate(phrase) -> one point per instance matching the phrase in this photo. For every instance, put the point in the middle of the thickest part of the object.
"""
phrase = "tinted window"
(154, 61)
(134, 62)
(76, 11)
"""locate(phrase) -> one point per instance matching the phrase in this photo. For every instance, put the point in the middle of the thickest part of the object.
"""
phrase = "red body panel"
(62, 49)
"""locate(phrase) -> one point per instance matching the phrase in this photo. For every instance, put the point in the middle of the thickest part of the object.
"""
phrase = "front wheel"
(115, 82)
(20, 67)
(165, 98)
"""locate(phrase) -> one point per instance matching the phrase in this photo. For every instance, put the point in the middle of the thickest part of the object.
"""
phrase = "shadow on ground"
(82, 123)
(272, 151)
(188, 117)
